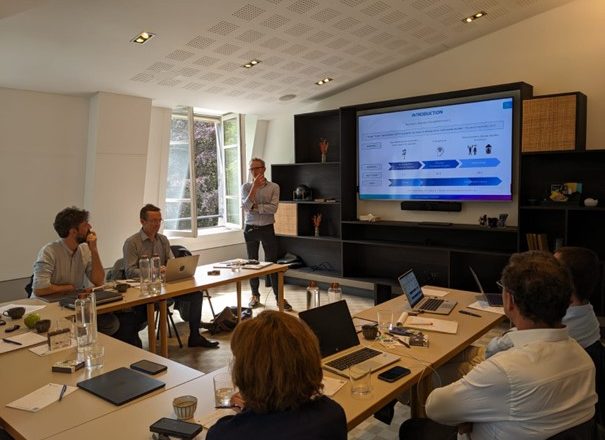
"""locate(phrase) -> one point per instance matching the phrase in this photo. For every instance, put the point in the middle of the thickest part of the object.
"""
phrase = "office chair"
(182, 251)
(583, 431)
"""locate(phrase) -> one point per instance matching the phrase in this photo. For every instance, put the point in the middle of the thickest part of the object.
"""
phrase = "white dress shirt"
(541, 386)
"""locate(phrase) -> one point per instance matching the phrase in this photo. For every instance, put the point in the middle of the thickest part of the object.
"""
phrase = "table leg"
(280, 291)
(163, 328)
(238, 288)
(151, 327)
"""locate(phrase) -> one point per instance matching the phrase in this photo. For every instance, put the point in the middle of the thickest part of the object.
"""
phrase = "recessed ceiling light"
(323, 81)
(142, 38)
(473, 17)
(287, 97)
(251, 63)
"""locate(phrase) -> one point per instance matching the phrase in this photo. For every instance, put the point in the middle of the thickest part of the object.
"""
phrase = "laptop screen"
(333, 326)
(411, 288)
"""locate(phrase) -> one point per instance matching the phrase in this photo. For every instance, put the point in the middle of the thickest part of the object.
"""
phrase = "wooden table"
(201, 281)
(442, 347)
(133, 421)
(23, 372)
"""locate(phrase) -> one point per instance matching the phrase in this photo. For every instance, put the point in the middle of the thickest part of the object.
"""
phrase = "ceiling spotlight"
(324, 81)
(251, 64)
(142, 38)
(473, 17)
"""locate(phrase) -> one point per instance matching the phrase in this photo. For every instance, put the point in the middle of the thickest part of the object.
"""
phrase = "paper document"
(208, 420)
(332, 385)
(484, 306)
(29, 308)
(431, 324)
(41, 398)
(25, 340)
(427, 291)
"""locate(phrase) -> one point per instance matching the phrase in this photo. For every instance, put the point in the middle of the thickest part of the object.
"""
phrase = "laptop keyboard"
(431, 304)
(356, 357)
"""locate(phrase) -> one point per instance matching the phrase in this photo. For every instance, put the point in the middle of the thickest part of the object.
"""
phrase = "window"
(204, 173)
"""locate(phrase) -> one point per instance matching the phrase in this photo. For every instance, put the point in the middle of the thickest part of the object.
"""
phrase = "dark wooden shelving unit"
(379, 252)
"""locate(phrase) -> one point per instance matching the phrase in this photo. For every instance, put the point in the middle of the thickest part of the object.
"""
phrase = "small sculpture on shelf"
(323, 147)
(316, 219)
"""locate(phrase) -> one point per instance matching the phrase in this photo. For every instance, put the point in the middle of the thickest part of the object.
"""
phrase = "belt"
(253, 227)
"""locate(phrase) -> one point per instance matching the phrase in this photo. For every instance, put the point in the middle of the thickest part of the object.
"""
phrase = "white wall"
(43, 141)
(559, 51)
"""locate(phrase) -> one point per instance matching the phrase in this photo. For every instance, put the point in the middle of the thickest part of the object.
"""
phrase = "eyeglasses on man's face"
(255, 168)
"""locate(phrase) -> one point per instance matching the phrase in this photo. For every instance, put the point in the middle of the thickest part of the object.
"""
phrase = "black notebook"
(121, 386)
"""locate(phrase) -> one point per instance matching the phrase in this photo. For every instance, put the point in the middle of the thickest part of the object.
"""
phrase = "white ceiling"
(83, 46)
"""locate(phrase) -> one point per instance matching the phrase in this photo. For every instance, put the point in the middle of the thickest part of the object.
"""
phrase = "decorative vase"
(317, 231)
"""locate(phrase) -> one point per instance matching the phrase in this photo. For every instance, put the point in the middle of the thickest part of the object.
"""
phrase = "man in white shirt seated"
(544, 384)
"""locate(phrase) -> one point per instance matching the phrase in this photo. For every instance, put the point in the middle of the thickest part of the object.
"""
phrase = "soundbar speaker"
(431, 206)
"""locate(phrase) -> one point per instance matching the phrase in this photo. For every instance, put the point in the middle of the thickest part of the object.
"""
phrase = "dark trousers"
(195, 311)
(265, 235)
(426, 429)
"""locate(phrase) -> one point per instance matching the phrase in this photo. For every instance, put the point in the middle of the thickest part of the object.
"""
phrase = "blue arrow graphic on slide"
(449, 181)
(440, 164)
(488, 162)
(405, 165)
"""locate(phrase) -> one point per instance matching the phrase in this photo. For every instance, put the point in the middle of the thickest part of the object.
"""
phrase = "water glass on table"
(223, 390)
(94, 357)
(385, 320)
(361, 384)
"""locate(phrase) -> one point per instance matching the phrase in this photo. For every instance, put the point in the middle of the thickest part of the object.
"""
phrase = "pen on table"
(466, 312)
(11, 342)
(63, 389)
(399, 340)
(419, 323)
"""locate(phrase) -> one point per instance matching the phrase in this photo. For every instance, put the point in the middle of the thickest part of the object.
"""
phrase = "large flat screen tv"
(458, 150)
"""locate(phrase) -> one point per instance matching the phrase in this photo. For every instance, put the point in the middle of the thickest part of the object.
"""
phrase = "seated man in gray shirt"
(148, 241)
(69, 263)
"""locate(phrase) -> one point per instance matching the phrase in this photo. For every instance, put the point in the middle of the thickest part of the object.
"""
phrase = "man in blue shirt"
(260, 199)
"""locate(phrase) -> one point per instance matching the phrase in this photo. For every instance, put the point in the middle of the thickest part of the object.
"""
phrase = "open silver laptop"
(338, 340)
(419, 302)
(181, 267)
(493, 299)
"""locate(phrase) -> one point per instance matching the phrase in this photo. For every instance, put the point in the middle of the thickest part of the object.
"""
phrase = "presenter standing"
(260, 199)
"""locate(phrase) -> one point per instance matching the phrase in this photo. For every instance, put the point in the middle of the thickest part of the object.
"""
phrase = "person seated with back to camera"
(277, 369)
(542, 385)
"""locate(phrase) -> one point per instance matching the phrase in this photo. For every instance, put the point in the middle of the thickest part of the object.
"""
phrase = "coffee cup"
(14, 312)
(122, 287)
(370, 331)
(43, 325)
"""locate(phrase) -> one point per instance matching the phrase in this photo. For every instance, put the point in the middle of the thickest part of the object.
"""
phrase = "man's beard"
(82, 238)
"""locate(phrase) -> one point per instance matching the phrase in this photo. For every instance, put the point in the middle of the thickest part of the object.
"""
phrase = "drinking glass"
(361, 384)
(385, 319)
(223, 390)
(94, 357)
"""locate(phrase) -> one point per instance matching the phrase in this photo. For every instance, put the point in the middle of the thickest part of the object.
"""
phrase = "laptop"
(338, 341)
(493, 299)
(101, 297)
(419, 302)
(120, 386)
(181, 267)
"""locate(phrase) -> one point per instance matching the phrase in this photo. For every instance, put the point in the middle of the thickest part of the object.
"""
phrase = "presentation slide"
(453, 152)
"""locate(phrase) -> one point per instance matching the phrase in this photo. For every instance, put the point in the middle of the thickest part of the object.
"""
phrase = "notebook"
(101, 296)
(121, 386)
(493, 299)
(181, 267)
(419, 302)
(338, 340)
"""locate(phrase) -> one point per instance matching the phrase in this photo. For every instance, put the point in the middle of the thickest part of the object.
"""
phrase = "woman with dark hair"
(277, 368)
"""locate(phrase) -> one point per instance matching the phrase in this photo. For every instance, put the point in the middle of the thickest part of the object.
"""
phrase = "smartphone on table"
(393, 374)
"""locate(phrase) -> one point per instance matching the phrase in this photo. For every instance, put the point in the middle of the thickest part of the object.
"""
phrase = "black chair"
(584, 431)
(182, 251)
(597, 353)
